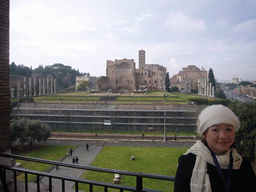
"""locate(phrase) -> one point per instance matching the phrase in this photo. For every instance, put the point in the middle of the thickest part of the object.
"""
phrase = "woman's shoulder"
(188, 156)
(188, 159)
(247, 167)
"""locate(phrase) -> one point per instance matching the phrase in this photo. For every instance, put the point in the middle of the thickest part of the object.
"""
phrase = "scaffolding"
(111, 119)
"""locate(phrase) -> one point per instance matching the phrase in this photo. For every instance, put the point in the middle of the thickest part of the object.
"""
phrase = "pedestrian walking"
(71, 152)
(68, 152)
(73, 160)
(87, 147)
(77, 160)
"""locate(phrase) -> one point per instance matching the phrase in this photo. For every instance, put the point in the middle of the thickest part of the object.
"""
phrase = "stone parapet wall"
(128, 143)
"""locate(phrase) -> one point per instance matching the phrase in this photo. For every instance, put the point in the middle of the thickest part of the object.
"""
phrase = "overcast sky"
(217, 34)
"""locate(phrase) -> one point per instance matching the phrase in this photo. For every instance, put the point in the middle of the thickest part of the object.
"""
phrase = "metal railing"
(139, 176)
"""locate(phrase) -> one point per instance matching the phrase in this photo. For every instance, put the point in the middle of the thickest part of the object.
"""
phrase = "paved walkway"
(85, 158)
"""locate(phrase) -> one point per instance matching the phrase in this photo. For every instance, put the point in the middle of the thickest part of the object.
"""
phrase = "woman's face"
(220, 137)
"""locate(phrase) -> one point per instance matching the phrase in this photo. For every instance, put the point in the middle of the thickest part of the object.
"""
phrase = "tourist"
(77, 160)
(213, 164)
(71, 151)
(73, 160)
(87, 147)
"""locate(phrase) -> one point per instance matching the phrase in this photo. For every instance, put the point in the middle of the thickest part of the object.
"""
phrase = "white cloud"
(173, 63)
(84, 34)
(143, 17)
(222, 23)
(181, 22)
(109, 37)
(245, 26)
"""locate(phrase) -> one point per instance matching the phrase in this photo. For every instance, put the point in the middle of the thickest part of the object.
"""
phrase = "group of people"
(213, 164)
(75, 159)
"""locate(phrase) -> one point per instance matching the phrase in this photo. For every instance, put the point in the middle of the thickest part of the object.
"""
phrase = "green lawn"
(161, 161)
(86, 97)
(42, 152)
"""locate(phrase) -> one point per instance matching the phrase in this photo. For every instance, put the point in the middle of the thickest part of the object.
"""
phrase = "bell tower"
(141, 58)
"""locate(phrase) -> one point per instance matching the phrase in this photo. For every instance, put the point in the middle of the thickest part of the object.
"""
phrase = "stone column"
(210, 89)
(18, 90)
(44, 86)
(205, 86)
(30, 86)
(25, 87)
(200, 86)
(40, 86)
(35, 87)
(55, 86)
(12, 92)
(48, 86)
(51, 85)
(213, 93)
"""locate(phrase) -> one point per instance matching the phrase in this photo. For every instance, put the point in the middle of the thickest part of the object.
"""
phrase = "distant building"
(150, 76)
(235, 80)
(187, 79)
(122, 75)
(92, 80)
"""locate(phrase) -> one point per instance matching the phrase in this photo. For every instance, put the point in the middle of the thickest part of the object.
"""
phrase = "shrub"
(29, 131)
(245, 137)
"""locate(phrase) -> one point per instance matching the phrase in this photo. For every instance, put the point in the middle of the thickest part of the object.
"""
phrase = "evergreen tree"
(212, 79)
(167, 82)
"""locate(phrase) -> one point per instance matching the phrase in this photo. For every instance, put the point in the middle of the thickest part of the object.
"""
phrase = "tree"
(83, 86)
(245, 137)
(175, 89)
(20, 70)
(231, 86)
(29, 131)
(212, 79)
(220, 94)
(245, 83)
(167, 82)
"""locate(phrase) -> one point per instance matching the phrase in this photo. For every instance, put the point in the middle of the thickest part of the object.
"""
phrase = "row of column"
(205, 87)
(34, 87)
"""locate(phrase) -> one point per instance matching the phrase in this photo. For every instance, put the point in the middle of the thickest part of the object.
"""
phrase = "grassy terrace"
(154, 160)
(148, 160)
(86, 97)
(55, 153)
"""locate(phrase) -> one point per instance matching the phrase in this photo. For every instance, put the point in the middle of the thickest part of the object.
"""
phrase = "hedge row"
(205, 101)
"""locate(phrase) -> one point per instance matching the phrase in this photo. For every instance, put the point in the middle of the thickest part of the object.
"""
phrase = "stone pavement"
(85, 158)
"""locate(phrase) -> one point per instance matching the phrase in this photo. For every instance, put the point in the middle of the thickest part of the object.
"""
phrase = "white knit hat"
(216, 114)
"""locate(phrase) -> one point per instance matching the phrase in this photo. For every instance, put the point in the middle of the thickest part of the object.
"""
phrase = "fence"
(77, 181)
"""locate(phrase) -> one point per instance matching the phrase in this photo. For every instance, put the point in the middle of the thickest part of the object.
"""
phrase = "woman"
(213, 164)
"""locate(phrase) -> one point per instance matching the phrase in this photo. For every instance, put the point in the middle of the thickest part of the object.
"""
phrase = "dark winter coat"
(243, 179)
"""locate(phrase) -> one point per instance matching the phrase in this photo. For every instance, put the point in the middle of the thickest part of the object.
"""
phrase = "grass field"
(86, 97)
(154, 160)
(42, 152)
(161, 161)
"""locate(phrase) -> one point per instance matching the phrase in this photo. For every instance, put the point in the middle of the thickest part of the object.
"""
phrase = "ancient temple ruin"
(21, 86)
